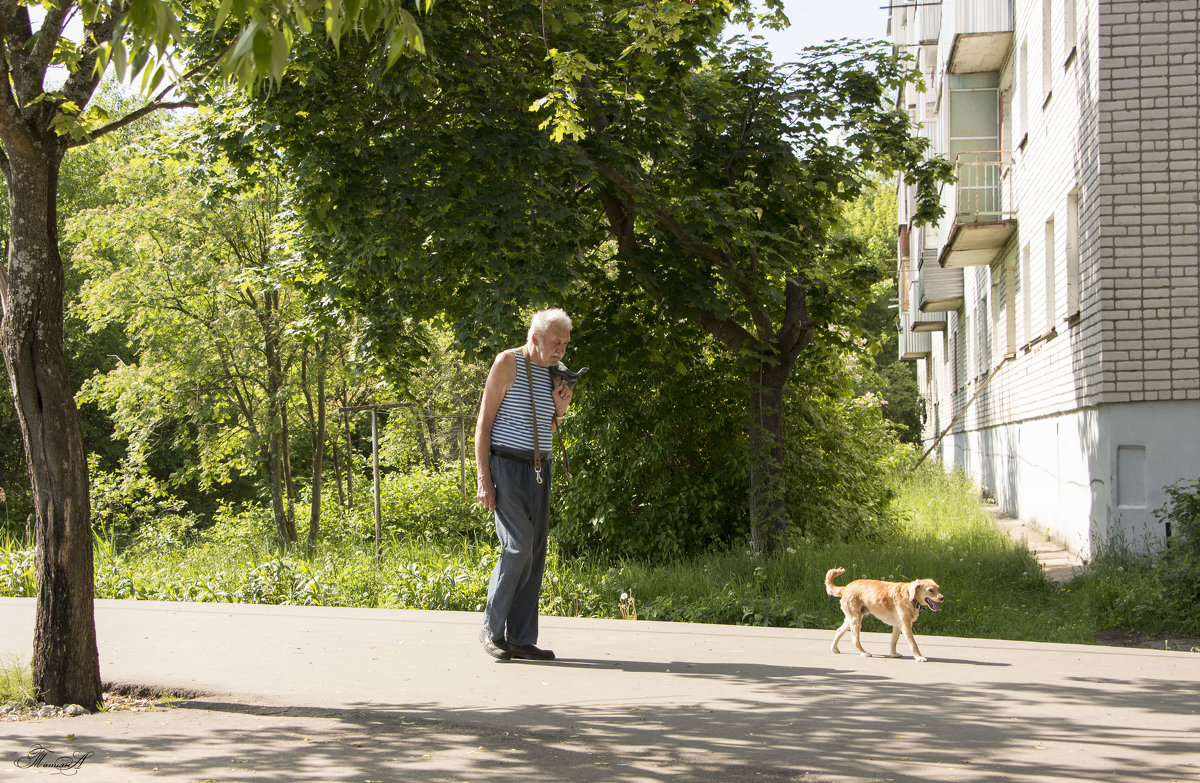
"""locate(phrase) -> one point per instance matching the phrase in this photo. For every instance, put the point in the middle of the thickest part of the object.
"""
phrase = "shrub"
(1180, 571)
(241, 528)
(1158, 592)
(843, 463)
(127, 500)
(18, 574)
(431, 507)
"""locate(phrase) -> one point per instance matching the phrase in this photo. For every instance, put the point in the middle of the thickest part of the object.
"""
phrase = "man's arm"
(500, 379)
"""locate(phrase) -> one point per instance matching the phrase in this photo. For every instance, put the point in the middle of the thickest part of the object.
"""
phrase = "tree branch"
(7, 9)
(798, 328)
(703, 250)
(83, 80)
(43, 46)
(620, 218)
(131, 118)
(13, 131)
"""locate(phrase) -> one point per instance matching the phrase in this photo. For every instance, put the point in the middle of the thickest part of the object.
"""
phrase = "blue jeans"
(523, 526)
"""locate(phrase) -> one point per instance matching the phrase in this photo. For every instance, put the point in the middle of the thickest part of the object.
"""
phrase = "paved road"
(321, 694)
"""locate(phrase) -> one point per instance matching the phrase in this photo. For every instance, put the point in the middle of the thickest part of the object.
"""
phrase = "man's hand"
(562, 397)
(485, 492)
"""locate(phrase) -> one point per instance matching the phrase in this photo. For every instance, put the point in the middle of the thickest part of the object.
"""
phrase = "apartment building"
(1054, 312)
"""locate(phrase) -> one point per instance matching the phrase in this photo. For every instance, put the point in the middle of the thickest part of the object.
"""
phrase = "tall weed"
(16, 683)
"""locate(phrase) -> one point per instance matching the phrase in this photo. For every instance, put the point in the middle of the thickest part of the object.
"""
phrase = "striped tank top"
(513, 425)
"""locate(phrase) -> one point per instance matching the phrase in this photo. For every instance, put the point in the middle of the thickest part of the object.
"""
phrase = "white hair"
(544, 319)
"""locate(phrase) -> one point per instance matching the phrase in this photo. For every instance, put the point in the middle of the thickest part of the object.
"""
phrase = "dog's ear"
(909, 590)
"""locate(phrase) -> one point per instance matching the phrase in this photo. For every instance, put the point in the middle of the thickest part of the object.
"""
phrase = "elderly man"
(522, 406)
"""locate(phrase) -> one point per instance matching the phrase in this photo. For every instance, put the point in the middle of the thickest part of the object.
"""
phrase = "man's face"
(549, 349)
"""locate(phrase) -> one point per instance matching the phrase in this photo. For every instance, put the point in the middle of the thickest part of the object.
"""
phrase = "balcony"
(983, 34)
(919, 319)
(928, 23)
(913, 345)
(984, 220)
(939, 290)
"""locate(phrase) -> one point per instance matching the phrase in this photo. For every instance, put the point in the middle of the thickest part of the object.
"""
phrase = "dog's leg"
(912, 644)
(895, 639)
(857, 636)
(840, 633)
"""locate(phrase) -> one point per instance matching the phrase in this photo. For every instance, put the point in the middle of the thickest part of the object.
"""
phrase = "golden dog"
(895, 603)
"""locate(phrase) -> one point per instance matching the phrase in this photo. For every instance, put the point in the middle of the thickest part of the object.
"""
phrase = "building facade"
(1054, 313)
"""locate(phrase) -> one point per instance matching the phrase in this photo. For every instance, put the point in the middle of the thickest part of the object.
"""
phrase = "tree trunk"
(66, 665)
(431, 425)
(288, 483)
(276, 421)
(349, 464)
(768, 506)
(337, 471)
(273, 456)
(419, 429)
(318, 451)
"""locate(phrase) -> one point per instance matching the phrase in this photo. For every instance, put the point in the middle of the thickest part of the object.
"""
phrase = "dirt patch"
(1131, 639)
(118, 697)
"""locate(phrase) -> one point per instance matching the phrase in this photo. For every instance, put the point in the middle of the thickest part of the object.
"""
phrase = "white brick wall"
(1121, 129)
(1149, 200)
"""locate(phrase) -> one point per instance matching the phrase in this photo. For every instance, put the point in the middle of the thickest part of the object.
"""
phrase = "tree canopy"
(502, 170)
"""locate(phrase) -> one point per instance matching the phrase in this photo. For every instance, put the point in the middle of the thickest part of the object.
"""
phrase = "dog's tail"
(830, 575)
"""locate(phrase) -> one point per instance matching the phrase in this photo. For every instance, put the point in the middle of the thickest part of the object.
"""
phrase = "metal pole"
(375, 471)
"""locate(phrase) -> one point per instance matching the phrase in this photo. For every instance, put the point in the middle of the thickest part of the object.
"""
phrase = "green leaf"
(280, 49)
(222, 14)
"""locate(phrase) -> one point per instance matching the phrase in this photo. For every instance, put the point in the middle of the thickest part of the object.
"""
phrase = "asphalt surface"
(323, 694)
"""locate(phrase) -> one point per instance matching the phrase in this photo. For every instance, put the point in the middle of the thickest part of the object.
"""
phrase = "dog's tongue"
(934, 605)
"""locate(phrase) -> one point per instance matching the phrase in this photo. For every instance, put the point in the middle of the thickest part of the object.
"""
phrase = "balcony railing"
(980, 188)
(984, 217)
(939, 290)
(928, 24)
(913, 345)
(920, 319)
(983, 16)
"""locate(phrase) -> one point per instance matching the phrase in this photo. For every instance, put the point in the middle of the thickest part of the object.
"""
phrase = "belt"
(524, 457)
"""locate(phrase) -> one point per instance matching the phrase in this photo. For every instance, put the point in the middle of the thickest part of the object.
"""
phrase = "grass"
(994, 586)
(16, 684)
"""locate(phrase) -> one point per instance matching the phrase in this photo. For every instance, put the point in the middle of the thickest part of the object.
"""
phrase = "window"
(956, 385)
(1023, 91)
(1073, 281)
(1070, 32)
(1027, 295)
(983, 357)
(1006, 119)
(1010, 306)
(1051, 293)
(1047, 70)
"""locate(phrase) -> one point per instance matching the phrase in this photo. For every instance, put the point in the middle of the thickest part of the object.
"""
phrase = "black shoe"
(529, 652)
(497, 648)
